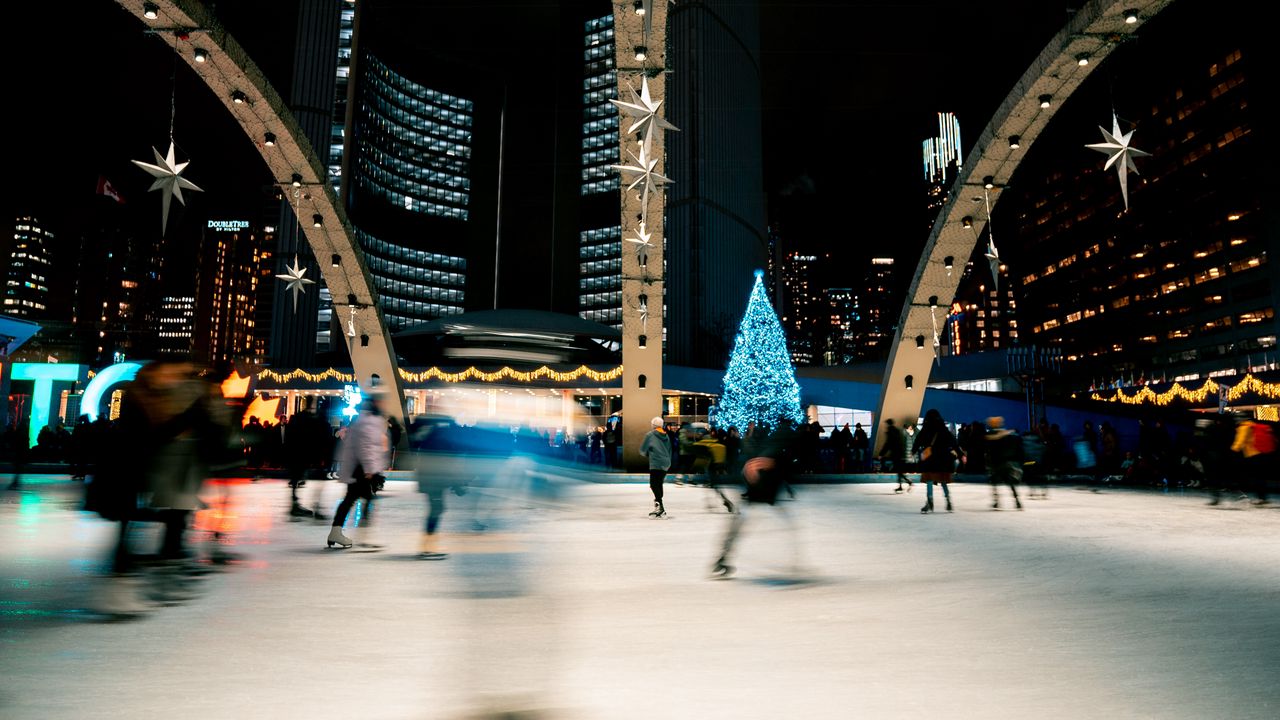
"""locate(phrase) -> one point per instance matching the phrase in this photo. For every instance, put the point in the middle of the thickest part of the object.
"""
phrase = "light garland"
(1249, 385)
(471, 373)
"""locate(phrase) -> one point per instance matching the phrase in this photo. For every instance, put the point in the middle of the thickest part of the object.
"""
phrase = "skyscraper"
(26, 292)
(943, 158)
(716, 230)
(231, 256)
(877, 310)
(600, 239)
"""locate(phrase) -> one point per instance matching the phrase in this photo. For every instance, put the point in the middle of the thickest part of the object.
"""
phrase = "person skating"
(894, 451)
(765, 475)
(364, 456)
(937, 450)
(1004, 460)
(657, 447)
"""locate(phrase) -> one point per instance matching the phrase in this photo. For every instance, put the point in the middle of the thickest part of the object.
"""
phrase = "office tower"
(26, 292)
(231, 256)
(600, 239)
(715, 223)
(942, 155)
(805, 311)
(175, 325)
(878, 311)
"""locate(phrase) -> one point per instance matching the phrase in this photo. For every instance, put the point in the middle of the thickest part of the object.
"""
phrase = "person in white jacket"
(363, 456)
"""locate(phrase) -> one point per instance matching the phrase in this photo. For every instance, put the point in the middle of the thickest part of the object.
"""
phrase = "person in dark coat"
(765, 475)
(1004, 460)
(937, 450)
(893, 453)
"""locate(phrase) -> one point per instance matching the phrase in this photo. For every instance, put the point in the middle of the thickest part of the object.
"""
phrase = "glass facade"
(413, 285)
(412, 144)
(337, 136)
(600, 276)
(600, 248)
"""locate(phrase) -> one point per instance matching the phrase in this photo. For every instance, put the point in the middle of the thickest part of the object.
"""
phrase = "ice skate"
(337, 538)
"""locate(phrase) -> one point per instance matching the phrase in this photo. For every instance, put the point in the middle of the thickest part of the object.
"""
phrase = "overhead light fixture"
(966, 221)
(297, 180)
(336, 260)
(317, 221)
(150, 11)
(201, 55)
(988, 182)
(269, 139)
(910, 382)
(1130, 17)
(639, 6)
(948, 262)
(238, 97)
(642, 52)
(1082, 59)
(933, 301)
(919, 343)
(1015, 142)
(1046, 101)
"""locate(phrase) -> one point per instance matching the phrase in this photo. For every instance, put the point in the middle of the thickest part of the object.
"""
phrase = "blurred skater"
(363, 456)
(937, 449)
(893, 453)
(1004, 460)
(657, 447)
(765, 475)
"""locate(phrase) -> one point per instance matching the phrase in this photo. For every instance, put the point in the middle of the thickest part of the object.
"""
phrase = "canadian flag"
(105, 188)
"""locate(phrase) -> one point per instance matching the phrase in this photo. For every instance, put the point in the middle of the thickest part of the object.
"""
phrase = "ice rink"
(1119, 604)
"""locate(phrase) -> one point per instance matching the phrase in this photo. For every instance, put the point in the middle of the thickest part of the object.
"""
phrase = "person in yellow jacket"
(1256, 444)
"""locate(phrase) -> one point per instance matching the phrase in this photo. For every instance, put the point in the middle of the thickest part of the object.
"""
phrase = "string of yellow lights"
(1248, 385)
(471, 373)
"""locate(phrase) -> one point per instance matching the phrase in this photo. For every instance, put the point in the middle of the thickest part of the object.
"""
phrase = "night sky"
(850, 90)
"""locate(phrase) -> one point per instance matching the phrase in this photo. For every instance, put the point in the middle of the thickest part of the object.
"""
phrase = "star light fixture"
(1117, 147)
(642, 172)
(645, 111)
(297, 283)
(169, 180)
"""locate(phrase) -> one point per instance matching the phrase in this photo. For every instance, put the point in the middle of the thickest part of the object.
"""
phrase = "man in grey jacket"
(657, 447)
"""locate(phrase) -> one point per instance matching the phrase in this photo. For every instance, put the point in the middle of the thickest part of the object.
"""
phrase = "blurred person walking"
(657, 447)
(1004, 460)
(937, 449)
(894, 453)
(363, 458)
(1256, 444)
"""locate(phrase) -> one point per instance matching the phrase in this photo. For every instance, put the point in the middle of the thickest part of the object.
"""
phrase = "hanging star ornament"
(643, 172)
(169, 180)
(1117, 146)
(993, 258)
(642, 245)
(645, 111)
(297, 283)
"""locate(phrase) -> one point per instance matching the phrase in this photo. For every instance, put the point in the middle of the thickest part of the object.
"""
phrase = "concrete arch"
(1093, 32)
(187, 25)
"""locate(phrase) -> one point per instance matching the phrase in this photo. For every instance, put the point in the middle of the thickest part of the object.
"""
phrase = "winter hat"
(657, 421)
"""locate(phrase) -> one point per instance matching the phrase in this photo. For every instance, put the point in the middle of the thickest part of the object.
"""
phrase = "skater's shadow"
(788, 582)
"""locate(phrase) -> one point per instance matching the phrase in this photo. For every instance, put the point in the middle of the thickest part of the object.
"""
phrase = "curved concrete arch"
(1094, 31)
(186, 25)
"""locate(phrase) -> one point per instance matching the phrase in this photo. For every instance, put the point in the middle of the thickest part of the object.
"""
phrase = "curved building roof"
(532, 337)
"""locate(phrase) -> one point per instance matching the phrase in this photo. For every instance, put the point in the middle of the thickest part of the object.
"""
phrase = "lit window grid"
(420, 93)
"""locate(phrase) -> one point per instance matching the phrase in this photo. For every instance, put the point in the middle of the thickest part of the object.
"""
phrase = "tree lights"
(760, 383)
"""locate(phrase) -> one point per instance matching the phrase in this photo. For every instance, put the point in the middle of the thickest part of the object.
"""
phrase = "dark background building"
(1182, 284)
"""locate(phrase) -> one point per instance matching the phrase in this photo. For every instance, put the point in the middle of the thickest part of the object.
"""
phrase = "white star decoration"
(993, 258)
(1117, 146)
(643, 172)
(294, 276)
(169, 180)
(642, 245)
(645, 110)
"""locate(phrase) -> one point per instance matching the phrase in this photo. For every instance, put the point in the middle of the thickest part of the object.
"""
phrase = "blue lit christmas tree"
(760, 383)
